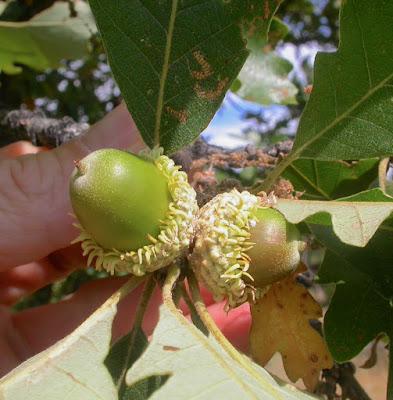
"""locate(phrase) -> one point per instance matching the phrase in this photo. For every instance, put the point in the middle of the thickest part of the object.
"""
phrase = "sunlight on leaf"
(264, 76)
(355, 219)
(281, 323)
(117, 362)
(72, 368)
(199, 367)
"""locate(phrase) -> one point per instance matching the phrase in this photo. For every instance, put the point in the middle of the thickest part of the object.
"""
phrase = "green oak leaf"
(46, 39)
(176, 60)
(349, 115)
(264, 76)
(350, 112)
(362, 305)
(355, 219)
(199, 367)
(328, 180)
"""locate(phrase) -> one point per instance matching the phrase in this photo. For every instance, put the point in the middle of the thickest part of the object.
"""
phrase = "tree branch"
(35, 127)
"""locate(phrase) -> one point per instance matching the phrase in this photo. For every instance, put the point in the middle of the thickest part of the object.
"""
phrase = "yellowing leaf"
(280, 323)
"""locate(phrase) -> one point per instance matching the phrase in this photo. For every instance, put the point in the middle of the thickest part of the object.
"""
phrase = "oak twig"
(35, 127)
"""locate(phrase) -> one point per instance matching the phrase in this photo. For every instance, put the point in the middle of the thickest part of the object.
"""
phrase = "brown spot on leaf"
(266, 9)
(213, 94)
(180, 115)
(308, 89)
(171, 348)
(206, 69)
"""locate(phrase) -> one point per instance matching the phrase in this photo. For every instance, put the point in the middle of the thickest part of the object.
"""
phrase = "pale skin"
(35, 234)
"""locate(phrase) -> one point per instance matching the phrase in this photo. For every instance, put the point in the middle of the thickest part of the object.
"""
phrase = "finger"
(34, 201)
(235, 325)
(43, 326)
(19, 148)
(23, 280)
(13, 348)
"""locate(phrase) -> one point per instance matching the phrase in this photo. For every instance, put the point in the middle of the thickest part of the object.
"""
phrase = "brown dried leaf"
(280, 323)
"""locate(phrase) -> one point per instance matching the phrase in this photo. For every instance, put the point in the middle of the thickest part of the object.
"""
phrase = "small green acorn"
(135, 214)
(119, 198)
(242, 246)
(276, 252)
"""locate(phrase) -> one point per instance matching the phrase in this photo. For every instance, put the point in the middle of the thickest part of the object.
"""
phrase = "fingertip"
(19, 148)
(116, 130)
(235, 324)
(34, 197)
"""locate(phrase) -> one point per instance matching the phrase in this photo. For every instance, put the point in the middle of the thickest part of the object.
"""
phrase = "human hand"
(35, 232)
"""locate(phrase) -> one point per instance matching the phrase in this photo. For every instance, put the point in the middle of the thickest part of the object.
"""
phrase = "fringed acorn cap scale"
(175, 230)
(222, 239)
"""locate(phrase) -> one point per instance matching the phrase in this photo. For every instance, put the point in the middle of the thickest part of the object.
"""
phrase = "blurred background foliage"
(61, 68)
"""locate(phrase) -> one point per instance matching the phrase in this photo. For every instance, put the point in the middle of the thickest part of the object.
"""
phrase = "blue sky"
(226, 126)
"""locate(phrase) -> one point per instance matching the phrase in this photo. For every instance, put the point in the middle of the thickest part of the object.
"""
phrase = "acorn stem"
(193, 312)
(218, 335)
(80, 167)
(167, 295)
(170, 280)
(129, 286)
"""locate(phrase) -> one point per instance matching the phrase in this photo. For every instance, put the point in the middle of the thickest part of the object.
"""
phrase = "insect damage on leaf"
(281, 323)
(180, 115)
(206, 69)
(213, 94)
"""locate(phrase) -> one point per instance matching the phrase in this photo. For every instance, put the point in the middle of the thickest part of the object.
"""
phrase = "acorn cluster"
(137, 214)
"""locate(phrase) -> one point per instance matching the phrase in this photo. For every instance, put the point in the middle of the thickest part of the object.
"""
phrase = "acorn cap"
(222, 239)
(175, 230)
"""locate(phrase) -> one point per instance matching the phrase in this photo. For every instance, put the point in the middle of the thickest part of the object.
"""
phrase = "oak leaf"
(281, 323)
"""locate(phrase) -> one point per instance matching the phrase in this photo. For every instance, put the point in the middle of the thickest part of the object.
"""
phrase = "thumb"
(34, 201)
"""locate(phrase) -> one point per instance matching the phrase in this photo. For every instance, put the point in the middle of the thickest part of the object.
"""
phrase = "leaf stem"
(382, 169)
(221, 339)
(140, 312)
(187, 297)
(210, 323)
(196, 319)
(272, 176)
(128, 287)
(171, 278)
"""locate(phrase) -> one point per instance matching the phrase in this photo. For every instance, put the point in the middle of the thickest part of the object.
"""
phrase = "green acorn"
(242, 246)
(135, 214)
(276, 252)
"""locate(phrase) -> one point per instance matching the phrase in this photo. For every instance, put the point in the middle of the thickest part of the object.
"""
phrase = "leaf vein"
(164, 73)
(364, 48)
